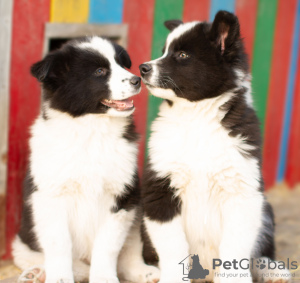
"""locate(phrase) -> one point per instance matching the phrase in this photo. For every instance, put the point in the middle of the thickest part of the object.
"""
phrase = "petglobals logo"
(262, 263)
(262, 267)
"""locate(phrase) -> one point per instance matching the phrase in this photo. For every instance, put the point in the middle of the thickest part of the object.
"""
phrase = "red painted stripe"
(246, 11)
(196, 10)
(293, 157)
(139, 17)
(27, 44)
(277, 88)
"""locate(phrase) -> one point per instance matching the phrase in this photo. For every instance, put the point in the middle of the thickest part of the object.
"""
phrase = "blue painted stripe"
(289, 98)
(217, 5)
(106, 11)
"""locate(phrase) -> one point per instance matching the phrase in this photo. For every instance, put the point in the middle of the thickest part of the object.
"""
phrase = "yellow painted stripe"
(69, 11)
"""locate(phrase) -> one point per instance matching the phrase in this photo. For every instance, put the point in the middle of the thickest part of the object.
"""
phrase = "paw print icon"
(261, 263)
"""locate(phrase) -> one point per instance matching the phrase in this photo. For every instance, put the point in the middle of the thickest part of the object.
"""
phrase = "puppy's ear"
(225, 30)
(122, 56)
(41, 69)
(172, 24)
(53, 70)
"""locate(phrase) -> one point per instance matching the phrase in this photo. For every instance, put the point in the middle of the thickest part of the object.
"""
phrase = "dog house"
(28, 29)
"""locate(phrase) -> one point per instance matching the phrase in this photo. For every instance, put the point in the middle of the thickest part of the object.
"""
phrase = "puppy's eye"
(100, 72)
(183, 55)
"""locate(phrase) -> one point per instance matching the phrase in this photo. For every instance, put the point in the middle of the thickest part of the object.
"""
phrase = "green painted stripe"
(164, 10)
(263, 47)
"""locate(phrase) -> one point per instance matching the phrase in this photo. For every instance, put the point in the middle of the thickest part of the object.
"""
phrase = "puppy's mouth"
(120, 105)
(148, 84)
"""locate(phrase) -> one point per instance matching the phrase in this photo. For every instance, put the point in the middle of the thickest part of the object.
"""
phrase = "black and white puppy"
(81, 196)
(203, 189)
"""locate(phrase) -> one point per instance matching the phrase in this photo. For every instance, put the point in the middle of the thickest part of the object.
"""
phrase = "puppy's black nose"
(145, 69)
(135, 81)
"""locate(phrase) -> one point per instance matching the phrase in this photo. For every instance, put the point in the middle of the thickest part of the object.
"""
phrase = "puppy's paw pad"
(35, 274)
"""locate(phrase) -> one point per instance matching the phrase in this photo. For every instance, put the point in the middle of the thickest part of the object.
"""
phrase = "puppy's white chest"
(87, 155)
(188, 145)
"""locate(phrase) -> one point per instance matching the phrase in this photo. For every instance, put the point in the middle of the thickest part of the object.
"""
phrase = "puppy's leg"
(170, 243)
(24, 257)
(164, 225)
(32, 263)
(51, 228)
(108, 243)
(242, 220)
(131, 266)
(265, 269)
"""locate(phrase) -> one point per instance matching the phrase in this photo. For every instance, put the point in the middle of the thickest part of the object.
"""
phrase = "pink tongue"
(123, 104)
(119, 104)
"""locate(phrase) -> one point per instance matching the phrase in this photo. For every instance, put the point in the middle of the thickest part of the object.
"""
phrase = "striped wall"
(5, 51)
(270, 29)
(26, 48)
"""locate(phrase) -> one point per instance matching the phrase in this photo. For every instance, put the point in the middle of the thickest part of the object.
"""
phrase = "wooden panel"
(293, 158)
(217, 5)
(263, 47)
(106, 11)
(246, 11)
(73, 30)
(139, 17)
(277, 89)
(289, 98)
(164, 10)
(5, 47)
(27, 45)
(69, 11)
(196, 10)
(58, 30)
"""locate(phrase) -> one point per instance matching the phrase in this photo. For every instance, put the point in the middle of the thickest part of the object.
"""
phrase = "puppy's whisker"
(168, 79)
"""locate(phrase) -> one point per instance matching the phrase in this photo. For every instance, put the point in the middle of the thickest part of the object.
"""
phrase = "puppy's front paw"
(60, 280)
(277, 276)
(105, 280)
(35, 274)
(150, 274)
(266, 274)
(142, 273)
(188, 281)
